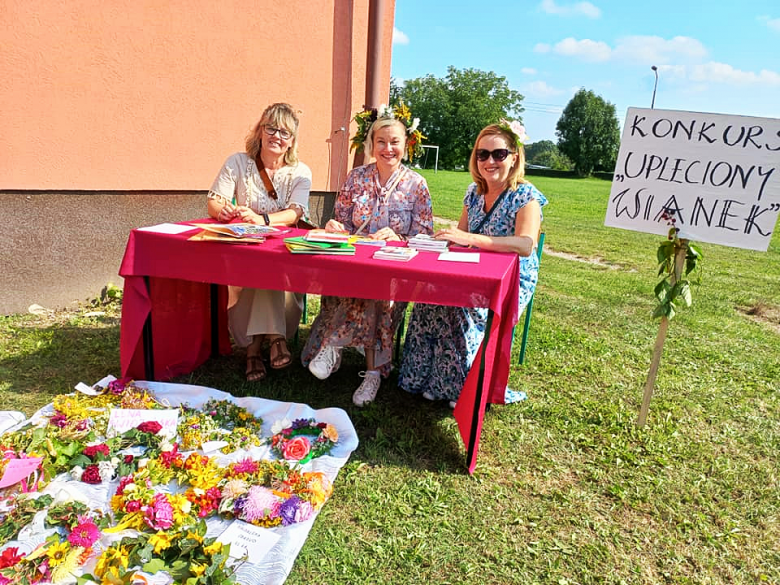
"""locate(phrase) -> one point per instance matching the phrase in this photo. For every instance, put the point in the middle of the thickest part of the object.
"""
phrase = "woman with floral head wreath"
(387, 201)
(239, 192)
(502, 212)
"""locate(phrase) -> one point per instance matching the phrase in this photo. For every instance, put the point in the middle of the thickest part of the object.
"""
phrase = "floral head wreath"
(366, 119)
(516, 129)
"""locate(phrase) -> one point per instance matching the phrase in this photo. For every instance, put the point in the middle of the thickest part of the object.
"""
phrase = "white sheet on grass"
(274, 567)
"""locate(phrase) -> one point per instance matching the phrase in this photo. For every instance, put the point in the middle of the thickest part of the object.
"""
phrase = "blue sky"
(720, 57)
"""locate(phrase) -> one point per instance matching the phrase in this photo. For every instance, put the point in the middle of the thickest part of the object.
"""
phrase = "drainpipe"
(376, 21)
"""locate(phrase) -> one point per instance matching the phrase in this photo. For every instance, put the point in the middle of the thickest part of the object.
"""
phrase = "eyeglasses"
(283, 134)
(498, 154)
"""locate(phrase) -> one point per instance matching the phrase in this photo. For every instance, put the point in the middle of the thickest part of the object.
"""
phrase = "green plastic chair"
(530, 306)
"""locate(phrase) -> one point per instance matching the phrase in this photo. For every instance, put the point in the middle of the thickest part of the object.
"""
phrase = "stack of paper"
(300, 245)
(395, 253)
(233, 232)
(427, 243)
(340, 237)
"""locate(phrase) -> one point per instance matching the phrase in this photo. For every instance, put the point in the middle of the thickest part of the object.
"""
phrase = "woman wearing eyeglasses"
(239, 193)
(502, 212)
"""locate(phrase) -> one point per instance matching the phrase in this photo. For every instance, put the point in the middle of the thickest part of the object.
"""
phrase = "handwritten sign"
(124, 419)
(19, 469)
(248, 540)
(717, 175)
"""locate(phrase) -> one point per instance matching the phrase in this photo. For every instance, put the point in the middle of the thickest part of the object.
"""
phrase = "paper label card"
(124, 419)
(167, 228)
(19, 469)
(248, 540)
(460, 257)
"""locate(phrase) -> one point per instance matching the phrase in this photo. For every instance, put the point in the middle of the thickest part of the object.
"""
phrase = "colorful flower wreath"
(303, 440)
(366, 119)
(516, 129)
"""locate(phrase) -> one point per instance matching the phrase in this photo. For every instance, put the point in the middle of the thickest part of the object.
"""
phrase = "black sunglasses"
(498, 154)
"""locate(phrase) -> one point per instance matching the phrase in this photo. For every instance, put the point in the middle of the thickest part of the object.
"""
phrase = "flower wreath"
(291, 441)
(516, 129)
(366, 119)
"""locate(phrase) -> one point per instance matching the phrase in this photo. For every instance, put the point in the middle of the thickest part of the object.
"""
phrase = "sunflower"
(57, 553)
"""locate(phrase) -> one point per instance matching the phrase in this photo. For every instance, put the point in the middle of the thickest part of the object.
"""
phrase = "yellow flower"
(198, 569)
(57, 553)
(331, 433)
(213, 548)
(65, 569)
(195, 536)
(160, 541)
(111, 559)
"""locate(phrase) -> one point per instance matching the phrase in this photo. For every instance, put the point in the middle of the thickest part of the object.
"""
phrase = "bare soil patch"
(763, 313)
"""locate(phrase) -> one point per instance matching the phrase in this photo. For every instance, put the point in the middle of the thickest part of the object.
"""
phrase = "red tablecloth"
(178, 298)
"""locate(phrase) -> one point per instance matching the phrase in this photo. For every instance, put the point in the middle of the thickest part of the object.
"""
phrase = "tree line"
(454, 108)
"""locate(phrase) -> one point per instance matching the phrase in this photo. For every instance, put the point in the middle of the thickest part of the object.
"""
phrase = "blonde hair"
(279, 115)
(516, 173)
(368, 145)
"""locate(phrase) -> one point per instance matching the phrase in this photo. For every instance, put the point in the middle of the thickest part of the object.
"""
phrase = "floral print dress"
(403, 204)
(442, 342)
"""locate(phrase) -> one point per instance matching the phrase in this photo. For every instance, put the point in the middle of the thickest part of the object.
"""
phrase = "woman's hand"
(248, 216)
(386, 233)
(454, 235)
(227, 213)
(335, 226)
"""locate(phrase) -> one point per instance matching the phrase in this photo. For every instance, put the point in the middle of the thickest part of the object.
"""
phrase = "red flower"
(10, 557)
(91, 474)
(94, 450)
(128, 458)
(150, 426)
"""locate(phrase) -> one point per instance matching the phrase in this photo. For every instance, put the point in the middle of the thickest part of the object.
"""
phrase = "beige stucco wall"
(150, 95)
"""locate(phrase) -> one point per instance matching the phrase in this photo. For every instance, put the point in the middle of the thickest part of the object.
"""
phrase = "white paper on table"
(168, 228)
(247, 540)
(460, 256)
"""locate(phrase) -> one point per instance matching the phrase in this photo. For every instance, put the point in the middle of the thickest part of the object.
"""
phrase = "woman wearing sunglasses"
(265, 185)
(502, 212)
(386, 201)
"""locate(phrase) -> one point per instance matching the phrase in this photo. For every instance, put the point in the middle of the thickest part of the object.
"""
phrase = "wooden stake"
(679, 260)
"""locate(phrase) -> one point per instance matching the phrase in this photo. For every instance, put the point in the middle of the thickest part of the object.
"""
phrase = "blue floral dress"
(442, 342)
(404, 204)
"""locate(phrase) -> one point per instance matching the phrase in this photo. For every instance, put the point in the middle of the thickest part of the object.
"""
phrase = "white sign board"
(717, 175)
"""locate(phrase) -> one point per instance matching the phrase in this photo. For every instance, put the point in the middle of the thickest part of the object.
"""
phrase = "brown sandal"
(255, 368)
(279, 353)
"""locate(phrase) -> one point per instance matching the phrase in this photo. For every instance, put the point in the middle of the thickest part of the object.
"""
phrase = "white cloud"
(577, 9)
(540, 89)
(528, 71)
(400, 37)
(652, 50)
(714, 72)
(541, 48)
(774, 24)
(586, 49)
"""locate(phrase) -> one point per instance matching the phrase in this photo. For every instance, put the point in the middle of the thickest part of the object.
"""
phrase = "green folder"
(299, 245)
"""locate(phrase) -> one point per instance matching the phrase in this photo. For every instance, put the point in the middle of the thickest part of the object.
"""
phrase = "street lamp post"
(655, 85)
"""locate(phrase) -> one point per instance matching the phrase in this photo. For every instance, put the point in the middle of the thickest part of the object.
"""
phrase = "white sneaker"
(327, 361)
(367, 390)
(453, 404)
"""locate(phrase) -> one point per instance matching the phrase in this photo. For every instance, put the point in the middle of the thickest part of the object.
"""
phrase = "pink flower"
(244, 466)
(296, 448)
(132, 506)
(260, 502)
(159, 514)
(84, 534)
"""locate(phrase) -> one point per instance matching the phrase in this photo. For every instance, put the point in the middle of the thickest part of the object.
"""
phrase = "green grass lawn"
(567, 489)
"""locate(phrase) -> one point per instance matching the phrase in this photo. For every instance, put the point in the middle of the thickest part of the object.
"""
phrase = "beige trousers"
(253, 311)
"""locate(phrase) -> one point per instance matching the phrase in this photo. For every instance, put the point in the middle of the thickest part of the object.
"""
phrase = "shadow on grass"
(398, 429)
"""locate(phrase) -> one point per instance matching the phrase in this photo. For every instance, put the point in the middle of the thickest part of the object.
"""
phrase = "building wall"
(148, 96)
